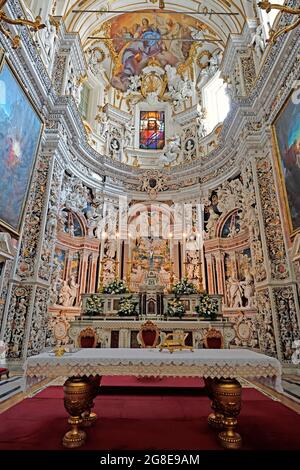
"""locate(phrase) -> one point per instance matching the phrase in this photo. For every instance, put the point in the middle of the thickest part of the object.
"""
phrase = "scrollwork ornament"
(272, 221)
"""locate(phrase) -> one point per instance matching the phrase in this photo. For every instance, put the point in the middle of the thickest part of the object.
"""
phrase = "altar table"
(220, 368)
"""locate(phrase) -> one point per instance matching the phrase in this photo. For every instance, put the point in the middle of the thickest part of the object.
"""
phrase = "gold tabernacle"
(175, 340)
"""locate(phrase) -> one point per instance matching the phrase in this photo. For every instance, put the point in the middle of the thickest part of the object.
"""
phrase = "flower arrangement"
(94, 305)
(127, 307)
(184, 287)
(175, 308)
(208, 307)
(117, 286)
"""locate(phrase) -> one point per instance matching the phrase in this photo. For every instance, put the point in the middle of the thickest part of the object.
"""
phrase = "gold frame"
(5, 61)
(292, 232)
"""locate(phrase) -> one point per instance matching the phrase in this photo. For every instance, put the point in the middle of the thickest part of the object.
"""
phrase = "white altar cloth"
(213, 363)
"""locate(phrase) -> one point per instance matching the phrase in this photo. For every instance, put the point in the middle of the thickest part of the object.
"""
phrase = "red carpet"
(147, 423)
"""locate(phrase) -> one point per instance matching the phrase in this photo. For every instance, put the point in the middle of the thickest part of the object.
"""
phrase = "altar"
(116, 332)
(221, 369)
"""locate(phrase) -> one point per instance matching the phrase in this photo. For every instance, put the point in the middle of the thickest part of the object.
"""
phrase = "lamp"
(15, 40)
(268, 6)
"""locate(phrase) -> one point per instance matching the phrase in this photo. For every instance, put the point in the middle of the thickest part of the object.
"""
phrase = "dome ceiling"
(124, 36)
(86, 16)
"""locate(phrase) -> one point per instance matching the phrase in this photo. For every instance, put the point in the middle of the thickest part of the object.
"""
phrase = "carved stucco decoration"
(153, 182)
(264, 323)
(88, 203)
(45, 269)
(248, 67)
(287, 319)
(251, 220)
(245, 331)
(240, 194)
(58, 74)
(8, 269)
(32, 224)
(271, 218)
(39, 322)
(17, 320)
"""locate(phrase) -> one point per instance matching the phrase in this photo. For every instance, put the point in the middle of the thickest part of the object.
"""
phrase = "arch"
(74, 223)
(225, 220)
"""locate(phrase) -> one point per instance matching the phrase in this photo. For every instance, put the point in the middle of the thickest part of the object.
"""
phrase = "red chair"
(148, 336)
(213, 339)
(4, 371)
(87, 338)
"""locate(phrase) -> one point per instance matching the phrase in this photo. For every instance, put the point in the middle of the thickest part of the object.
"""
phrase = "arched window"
(231, 226)
(72, 224)
(215, 101)
(269, 18)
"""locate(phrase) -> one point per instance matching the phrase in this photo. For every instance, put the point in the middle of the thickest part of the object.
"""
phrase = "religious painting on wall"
(286, 131)
(60, 260)
(152, 130)
(137, 38)
(74, 265)
(20, 131)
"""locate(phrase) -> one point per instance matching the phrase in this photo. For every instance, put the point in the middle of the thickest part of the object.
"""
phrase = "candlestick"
(128, 274)
(171, 263)
(101, 276)
(117, 269)
(185, 270)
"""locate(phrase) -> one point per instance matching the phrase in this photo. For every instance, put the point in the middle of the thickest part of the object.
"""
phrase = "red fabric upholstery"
(213, 339)
(87, 338)
(214, 343)
(149, 337)
(87, 342)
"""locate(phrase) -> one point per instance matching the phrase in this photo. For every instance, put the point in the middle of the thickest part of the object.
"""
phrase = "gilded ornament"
(35, 25)
(268, 6)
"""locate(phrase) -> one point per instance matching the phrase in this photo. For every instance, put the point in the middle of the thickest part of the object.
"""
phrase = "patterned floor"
(291, 385)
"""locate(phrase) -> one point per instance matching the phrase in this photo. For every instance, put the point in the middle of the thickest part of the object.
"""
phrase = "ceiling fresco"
(138, 37)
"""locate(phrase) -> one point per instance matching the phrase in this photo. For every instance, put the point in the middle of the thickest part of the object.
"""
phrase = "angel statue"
(172, 150)
(258, 42)
(49, 39)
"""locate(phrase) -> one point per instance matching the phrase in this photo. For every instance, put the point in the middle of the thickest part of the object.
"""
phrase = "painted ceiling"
(132, 32)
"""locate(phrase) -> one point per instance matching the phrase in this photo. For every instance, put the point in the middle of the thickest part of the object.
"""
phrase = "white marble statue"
(49, 39)
(128, 134)
(172, 150)
(234, 292)
(179, 89)
(93, 217)
(212, 222)
(103, 121)
(77, 92)
(73, 291)
(258, 42)
(51, 224)
(134, 82)
(214, 63)
(111, 248)
(65, 295)
(201, 130)
(95, 58)
(71, 84)
(248, 288)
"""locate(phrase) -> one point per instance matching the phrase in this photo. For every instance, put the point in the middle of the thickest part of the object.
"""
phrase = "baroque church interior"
(149, 224)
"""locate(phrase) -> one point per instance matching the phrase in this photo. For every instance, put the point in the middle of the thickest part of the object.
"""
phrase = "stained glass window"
(152, 130)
